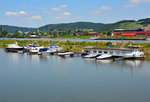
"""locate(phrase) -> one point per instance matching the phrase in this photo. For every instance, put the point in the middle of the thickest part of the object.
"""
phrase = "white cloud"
(22, 13)
(60, 12)
(67, 13)
(105, 8)
(63, 15)
(57, 9)
(63, 6)
(9, 13)
(139, 1)
(148, 17)
(60, 8)
(36, 17)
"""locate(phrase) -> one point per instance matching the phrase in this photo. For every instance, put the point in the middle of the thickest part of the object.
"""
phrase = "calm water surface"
(33, 78)
(55, 39)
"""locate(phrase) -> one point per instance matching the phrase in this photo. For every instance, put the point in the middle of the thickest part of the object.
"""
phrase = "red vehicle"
(131, 32)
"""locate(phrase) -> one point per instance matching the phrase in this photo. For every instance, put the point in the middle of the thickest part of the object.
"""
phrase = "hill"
(124, 24)
(73, 26)
(13, 29)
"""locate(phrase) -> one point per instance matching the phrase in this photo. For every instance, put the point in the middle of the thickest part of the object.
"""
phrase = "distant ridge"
(124, 24)
(12, 29)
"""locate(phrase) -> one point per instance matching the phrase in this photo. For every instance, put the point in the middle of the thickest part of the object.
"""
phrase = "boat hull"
(104, 56)
(91, 56)
(14, 49)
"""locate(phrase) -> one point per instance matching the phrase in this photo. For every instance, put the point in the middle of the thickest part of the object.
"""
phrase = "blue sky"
(35, 13)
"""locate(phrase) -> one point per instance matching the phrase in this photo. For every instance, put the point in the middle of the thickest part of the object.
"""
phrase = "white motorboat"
(104, 56)
(92, 55)
(135, 54)
(34, 48)
(14, 48)
(56, 48)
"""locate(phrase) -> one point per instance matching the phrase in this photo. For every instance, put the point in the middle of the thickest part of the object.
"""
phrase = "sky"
(36, 13)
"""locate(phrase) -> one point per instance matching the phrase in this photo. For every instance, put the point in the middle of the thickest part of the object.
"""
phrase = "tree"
(17, 34)
(86, 33)
(3, 33)
(109, 33)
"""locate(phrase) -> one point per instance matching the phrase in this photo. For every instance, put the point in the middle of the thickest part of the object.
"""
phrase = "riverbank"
(77, 46)
(87, 37)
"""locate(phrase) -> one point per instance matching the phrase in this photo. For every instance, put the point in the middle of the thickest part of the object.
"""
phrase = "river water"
(33, 78)
(55, 39)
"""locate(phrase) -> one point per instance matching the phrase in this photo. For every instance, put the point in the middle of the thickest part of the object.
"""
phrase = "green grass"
(130, 25)
(74, 37)
(102, 37)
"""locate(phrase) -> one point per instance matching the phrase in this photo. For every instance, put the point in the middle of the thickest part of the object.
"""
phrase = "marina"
(100, 53)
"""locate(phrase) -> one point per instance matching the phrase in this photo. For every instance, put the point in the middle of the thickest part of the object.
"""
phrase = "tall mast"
(38, 31)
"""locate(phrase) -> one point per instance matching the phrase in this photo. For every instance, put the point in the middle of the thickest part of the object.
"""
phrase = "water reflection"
(125, 63)
(132, 65)
(13, 58)
(105, 61)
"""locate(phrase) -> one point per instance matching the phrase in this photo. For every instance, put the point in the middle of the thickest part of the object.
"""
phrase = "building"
(131, 32)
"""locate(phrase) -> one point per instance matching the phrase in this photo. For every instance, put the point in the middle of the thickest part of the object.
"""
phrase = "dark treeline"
(52, 33)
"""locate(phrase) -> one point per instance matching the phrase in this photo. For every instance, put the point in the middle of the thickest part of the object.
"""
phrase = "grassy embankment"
(78, 46)
(102, 37)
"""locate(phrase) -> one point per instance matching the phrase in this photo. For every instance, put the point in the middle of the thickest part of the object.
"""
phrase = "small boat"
(118, 59)
(14, 48)
(46, 51)
(56, 48)
(92, 55)
(27, 48)
(34, 48)
(104, 56)
(63, 54)
(50, 50)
